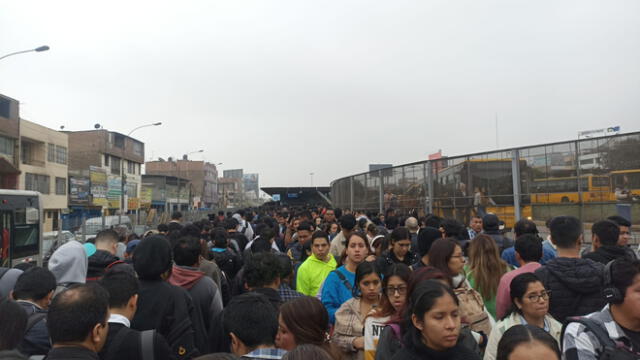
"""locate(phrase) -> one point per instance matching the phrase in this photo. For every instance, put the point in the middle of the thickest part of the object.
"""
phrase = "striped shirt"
(581, 344)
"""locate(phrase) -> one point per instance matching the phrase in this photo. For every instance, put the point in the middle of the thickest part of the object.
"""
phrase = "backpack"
(33, 319)
(146, 344)
(610, 349)
(472, 310)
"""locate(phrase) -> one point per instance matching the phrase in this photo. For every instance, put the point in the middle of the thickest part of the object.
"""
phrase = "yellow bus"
(564, 190)
(625, 179)
(491, 178)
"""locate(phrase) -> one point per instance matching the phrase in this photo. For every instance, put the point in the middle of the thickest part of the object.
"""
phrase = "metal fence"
(590, 179)
(88, 225)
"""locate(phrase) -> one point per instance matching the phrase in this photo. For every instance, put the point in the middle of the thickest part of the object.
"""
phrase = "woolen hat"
(152, 257)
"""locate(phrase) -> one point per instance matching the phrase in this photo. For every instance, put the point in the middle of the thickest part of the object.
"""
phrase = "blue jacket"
(36, 340)
(509, 255)
(335, 293)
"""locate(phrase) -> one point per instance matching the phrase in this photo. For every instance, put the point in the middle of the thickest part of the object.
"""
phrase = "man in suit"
(122, 342)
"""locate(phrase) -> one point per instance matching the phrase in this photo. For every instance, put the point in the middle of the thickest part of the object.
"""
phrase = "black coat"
(605, 254)
(168, 309)
(575, 285)
(128, 345)
(421, 352)
(71, 353)
(388, 258)
(36, 340)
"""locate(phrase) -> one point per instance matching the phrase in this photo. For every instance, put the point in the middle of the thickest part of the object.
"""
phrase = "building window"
(115, 165)
(51, 153)
(137, 148)
(61, 155)
(7, 145)
(61, 186)
(130, 168)
(57, 154)
(37, 182)
(106, 160)
(131, 189)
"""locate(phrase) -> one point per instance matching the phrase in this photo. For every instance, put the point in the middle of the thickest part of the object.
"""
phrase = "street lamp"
(123, 177)
(38, 49)
(311, 174)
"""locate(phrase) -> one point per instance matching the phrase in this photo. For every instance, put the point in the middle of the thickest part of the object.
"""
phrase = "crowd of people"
(330, 284)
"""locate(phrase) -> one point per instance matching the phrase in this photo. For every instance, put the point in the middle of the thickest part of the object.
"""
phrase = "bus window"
(26, 233)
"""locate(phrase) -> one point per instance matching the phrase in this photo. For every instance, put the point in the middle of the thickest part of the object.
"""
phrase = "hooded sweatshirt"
(575, 286)
(207, 299)
(185, 277)
(607, 253)
(69, 263)
(98, 262)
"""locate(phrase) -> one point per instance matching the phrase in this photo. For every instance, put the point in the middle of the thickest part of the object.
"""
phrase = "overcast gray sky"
(285, 88)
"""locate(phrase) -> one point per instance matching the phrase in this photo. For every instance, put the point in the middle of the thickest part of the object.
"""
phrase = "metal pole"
(578, 175)
(380, 193)
(351, 193)
(429, 169)
(515, 175)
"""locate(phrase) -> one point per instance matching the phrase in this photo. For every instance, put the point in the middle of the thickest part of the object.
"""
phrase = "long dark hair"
(440, 254)
(13, 324)
(518, 288)
(519, 334)
(364, 269)
(308, 321)
(403, 272)
(423, 298)
(418, 276)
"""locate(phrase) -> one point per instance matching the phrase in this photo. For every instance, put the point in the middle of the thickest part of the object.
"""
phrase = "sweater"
(312, 273)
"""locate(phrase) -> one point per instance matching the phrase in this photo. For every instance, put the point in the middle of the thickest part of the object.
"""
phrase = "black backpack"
(610, 349)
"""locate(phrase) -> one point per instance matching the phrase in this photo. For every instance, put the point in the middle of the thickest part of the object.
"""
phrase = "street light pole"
(38, 49)
(311, 174)
(122, 175)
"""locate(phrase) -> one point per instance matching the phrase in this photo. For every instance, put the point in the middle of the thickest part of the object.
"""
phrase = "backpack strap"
(608, 345)
(146, 344)
(344, 280)
(33, 319)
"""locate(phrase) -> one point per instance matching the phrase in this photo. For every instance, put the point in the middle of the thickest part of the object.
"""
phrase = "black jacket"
(168, 309)
(71, 353)
(605, 254)
(388, 258)
(98, 262)
(421, 352)
(575, 285)
(124, 344)
(36, 340)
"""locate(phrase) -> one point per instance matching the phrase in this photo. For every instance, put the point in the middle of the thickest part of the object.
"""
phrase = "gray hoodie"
(69, 263)
(8, 281)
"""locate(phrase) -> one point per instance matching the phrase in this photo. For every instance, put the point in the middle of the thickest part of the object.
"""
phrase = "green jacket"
(311, 274)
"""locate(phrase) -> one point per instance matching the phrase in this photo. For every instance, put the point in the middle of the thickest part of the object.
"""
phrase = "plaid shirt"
(286, 293)
(265, 354)
(579, 344)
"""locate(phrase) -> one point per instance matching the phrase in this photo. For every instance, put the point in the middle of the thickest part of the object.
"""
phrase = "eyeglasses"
(536, 297)
(391, 290)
